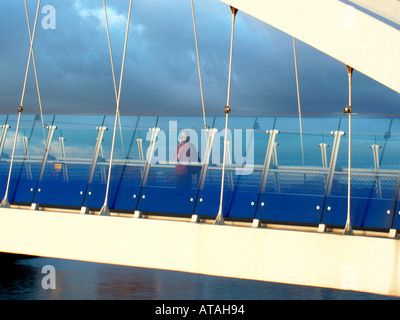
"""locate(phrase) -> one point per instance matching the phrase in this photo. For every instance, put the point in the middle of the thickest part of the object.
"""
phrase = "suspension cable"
(348, 229)
(104, 210)
(220, 218)
(198, 66)
(113, 70)
(35, 71)
(4, 202)
(298, 99)
(110, 50)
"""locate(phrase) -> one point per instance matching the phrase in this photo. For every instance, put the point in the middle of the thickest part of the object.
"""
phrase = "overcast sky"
(161, 72)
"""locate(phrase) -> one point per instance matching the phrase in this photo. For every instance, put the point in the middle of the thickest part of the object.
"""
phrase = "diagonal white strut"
(341, 31)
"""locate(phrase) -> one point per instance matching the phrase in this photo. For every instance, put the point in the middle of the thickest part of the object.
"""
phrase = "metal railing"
(274, 186)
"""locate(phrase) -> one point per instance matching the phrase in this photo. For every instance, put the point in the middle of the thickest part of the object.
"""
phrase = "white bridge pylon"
(341, 31)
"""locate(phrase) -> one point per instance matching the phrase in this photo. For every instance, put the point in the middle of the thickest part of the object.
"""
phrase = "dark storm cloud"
(161, 69)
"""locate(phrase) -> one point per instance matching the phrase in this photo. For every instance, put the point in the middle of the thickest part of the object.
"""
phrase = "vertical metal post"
(268, 157)
(323, 147)
(5, 128)
(207, 155)
(324, 157)
(149, 156)
(229, 161)
(375, 153)
(46, 151)
(332, 164)
(103, 173)
(140, 148)
(62, 146)
(27, 164)
(62, 150)
(270, 154)
(331, 171)
(96, 152)
(95, 157)
(275, 164)
(206, 161)
(25, 142)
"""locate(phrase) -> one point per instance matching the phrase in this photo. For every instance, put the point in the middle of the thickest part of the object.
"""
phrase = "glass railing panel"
(298, 171)
(246, 149)
(66, 174)
(189, 122)
(132, 140)
(298, 184)
(4, 157)
(374, 175)
(390, 159)
(27, 158)
(129, 161)
(170, 186)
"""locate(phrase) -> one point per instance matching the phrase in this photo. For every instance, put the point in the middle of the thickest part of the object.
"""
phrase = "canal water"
(30, 278)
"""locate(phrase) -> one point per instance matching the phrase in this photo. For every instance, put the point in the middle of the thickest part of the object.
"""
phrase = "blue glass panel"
(124, 190)
(125, 187)
(63, 184)
(367, 213)
(4, 167)
(295, 185)
(238, 202)
(65, 177)
(171, 187)
(305, 209)
(28, 156)
(245, 160)
(396, 217)
(128, 163)
(4, 164)
(373, 191)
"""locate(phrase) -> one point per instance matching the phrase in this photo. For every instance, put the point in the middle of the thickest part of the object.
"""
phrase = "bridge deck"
(361, 263)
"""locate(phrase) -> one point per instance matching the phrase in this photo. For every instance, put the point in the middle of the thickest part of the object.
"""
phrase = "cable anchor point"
(227, 109)
(347, 109)
(233, 10)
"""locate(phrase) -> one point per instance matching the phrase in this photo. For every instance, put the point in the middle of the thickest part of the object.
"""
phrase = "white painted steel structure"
(343, 32)
(329, 260)
(362, 263)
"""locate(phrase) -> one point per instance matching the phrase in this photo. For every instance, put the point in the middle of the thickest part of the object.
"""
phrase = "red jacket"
(186, 152)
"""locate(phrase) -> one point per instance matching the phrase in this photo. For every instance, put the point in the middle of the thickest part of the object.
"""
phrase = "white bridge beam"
(360, 263)
(341, 31)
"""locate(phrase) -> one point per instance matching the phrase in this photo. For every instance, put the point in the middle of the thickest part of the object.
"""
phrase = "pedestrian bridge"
(63, 176)
(285, 197)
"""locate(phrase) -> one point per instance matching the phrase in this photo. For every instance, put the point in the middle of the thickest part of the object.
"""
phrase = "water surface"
(21, 279)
